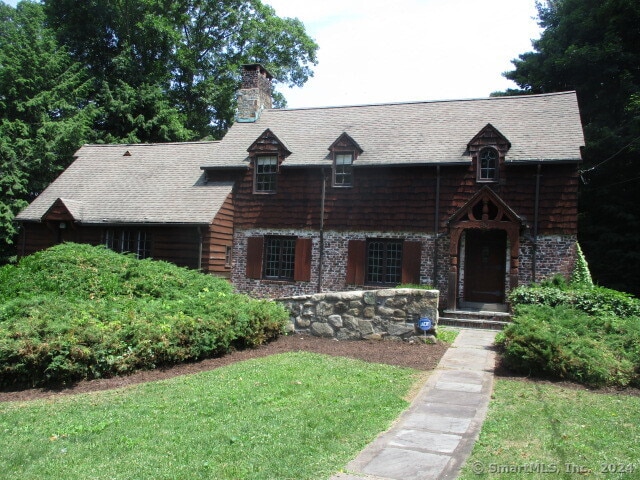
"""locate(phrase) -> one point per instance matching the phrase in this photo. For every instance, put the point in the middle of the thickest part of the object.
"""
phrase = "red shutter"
(302, 271)
(356, 261)
(255, 247)
(411, 262)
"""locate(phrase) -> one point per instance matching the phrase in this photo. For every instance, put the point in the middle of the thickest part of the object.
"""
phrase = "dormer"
(267, 154)
(343, 152)
(487, 150)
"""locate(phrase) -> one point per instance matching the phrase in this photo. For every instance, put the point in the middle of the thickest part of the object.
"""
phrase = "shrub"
(568, 343)
(581, 276)
(76, 311)
(592, 300)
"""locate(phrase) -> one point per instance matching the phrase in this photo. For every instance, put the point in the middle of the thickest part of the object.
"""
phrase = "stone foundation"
(365, 314)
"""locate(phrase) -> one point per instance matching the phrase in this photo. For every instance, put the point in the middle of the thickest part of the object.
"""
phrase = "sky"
(381, 51)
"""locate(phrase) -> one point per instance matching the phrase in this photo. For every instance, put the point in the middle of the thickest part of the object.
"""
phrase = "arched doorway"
(489, 227)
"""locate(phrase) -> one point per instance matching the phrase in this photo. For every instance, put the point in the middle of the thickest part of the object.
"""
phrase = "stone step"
(474, 319)
(468, 323)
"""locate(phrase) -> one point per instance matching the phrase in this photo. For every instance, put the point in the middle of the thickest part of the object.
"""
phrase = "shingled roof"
(145, 184)
(540, 128)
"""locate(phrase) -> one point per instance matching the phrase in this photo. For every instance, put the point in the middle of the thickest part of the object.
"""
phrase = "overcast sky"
(378, 51)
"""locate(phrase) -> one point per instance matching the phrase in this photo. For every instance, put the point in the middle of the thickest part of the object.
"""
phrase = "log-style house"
(471, 196)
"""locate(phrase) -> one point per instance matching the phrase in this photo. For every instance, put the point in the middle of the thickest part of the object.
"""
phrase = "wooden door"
(485, 266)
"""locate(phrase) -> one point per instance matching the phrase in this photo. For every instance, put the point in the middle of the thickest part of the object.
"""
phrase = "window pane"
(343, 169)
(279, 257)
(384, 261)
(488, 163)
(266, 170)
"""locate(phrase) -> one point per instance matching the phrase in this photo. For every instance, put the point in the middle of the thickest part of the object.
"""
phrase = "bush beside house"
(574, 331)
(76, 311)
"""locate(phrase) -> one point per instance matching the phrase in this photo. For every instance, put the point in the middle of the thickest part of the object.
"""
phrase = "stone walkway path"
(434, 437)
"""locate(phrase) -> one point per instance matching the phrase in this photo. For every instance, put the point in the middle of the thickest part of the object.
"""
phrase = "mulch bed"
(413, 355)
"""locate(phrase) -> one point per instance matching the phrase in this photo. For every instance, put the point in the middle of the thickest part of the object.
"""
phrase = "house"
(473, 196)
(152, 200)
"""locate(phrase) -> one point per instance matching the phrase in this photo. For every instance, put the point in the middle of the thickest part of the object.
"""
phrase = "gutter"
(436, 229)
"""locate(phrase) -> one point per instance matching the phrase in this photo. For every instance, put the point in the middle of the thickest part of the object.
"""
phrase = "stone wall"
(364, 314)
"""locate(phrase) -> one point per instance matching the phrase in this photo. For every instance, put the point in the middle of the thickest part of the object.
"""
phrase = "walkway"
(434, 437)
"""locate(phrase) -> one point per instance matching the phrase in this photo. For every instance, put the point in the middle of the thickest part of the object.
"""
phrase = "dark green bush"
(76, 311)
(592, 300)
(567, 343)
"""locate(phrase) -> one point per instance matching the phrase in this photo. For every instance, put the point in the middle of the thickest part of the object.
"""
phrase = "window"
(279, 257)
(228, 256)
(488, 165)
(343, 170)
(384, 261)
(266, 169)
(129, 241)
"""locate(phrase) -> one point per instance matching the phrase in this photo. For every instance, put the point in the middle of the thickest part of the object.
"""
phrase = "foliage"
(416, 285)
(538, 431)
(593, 47)
(238, 421)
(590, 335)
(581, 274)
(190, 50)
(77, 311)
(44, 111)
(116, 72)
(447, 335)
(563, 342)
(594, 300)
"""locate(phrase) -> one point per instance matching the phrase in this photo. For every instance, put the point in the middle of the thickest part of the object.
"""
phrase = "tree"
(593, 47)
(91, 71)
(191, 50)
(44, 113)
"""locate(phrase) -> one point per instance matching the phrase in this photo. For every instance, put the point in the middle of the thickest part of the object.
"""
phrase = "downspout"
(199, 248)
(436, 229)
(535, 224)
(321, 246)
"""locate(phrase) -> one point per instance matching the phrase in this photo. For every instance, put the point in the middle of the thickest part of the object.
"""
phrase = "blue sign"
(425, 324)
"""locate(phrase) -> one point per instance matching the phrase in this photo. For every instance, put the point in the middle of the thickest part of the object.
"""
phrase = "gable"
(486, 209)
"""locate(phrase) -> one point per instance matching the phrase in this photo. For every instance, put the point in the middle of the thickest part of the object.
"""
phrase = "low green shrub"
(592, 300)
(76, 311)
(565, 342)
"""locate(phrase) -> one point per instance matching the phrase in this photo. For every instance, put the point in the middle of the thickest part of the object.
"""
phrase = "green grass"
(537, 431)
(288, 416)
(447, 334)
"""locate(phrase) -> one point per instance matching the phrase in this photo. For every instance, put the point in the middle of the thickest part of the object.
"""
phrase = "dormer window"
(344, 152)
(488, 165)
(266, 155)
(343, 170)
(266, 172)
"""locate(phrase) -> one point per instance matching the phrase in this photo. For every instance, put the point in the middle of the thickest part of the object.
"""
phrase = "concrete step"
(474, 319)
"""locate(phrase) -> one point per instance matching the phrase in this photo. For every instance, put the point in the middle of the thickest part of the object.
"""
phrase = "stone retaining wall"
(367, 314)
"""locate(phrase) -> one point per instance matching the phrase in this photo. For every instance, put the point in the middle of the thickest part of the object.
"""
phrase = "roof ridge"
(421, 102)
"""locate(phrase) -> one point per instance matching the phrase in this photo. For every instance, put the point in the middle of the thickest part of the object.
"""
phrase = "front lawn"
(539, 431)
(288, 416)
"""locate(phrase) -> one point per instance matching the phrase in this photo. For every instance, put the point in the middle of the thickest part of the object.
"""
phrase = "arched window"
(488, 165)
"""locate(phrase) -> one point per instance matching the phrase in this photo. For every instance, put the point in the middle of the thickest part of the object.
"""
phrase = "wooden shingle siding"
(218, 237)
(403, 199)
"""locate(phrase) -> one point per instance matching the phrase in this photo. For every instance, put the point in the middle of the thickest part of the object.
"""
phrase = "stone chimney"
(254, 94)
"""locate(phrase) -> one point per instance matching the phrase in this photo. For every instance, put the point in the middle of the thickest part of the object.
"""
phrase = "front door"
(484, 267)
